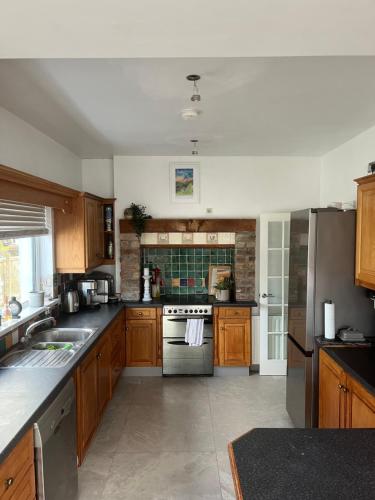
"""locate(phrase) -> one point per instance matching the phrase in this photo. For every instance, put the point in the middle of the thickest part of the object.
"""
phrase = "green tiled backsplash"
(185, 270)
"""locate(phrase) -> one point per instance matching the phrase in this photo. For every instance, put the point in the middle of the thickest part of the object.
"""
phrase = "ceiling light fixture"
(195, 146)
(196, 96)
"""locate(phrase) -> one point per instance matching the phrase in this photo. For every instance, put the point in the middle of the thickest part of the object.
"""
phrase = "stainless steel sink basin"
(63, 335)
(64, 344)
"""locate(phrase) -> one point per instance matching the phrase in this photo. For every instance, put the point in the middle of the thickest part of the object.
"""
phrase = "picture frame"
(216, 273)
(184, 182)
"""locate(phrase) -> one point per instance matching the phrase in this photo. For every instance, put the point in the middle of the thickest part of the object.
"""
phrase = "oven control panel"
(196, 310)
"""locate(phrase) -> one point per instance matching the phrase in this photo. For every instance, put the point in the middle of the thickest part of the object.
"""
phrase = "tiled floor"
(166, 438)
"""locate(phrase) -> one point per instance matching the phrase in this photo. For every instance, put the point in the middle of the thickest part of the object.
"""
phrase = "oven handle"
(183, 320)
(181, 342)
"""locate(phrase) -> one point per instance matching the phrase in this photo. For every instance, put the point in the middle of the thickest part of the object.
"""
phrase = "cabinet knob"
(8, 482)
(342, 388)
(99, 355)
(140, 313)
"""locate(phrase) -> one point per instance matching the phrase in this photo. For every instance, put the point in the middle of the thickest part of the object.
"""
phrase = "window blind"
(21, 220)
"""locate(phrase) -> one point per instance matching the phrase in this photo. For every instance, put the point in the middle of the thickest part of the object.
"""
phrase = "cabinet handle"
(8, 482)
(99, 355)
(140, 313)
(342, 388)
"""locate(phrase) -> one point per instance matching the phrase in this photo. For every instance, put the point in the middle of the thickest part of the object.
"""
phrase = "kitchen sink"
(52, 348)
(63, 335)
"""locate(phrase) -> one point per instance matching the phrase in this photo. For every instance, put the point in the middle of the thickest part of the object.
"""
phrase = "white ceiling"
(250, 106)
(194, 28)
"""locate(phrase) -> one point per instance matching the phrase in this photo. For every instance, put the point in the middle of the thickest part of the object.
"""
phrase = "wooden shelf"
(191, 225)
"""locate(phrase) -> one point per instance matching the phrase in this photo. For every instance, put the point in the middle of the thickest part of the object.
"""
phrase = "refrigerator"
(321, 268)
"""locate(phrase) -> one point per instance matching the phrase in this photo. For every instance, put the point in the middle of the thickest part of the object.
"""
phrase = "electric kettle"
(71, 301)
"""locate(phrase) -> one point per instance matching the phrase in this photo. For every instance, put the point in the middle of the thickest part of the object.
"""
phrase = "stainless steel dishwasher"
(55, 448)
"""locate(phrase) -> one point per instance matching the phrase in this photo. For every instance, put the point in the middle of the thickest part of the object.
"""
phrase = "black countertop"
(26, 392)
(358, 362)
(183, 300)
(305, 464)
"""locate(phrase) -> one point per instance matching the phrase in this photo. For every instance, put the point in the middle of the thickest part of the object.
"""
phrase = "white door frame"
(268, 366)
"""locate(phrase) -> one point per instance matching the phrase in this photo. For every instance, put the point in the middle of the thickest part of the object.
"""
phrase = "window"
(25, 264)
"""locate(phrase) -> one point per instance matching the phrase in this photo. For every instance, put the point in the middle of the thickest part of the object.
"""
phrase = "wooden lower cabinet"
(361, 406)
(17, 473)
(343, 402)
(96, 377)
(143, 337)
(232, 339)
(331, 397)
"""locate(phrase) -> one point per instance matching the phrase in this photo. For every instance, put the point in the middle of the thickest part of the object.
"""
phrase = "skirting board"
(219, 371)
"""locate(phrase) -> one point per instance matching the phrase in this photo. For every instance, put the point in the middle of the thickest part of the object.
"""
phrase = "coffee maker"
(87, 289)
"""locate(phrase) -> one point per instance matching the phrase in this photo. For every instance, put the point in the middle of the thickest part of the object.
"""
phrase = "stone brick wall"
(244, 265)
(130, 257)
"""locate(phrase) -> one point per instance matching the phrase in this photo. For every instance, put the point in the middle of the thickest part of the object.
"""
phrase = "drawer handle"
(99, 355)
(9, 482)
(139, 313)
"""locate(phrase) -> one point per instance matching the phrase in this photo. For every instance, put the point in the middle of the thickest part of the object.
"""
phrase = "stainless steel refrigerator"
(321, 268)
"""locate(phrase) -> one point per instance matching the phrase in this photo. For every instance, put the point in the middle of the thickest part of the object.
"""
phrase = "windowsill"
(26, 314)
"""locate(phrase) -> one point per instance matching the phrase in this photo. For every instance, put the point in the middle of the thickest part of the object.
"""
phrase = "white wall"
(236, 186)
(345, 163)
(97, 177)
(24, 148)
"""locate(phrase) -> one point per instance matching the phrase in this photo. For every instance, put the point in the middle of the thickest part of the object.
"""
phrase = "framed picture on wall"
(216, 274)
(184, 182)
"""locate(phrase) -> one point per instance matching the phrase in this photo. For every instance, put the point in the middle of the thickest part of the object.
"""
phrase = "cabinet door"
(365, 253)
(234, 342)
(103, 357)
(87, 401)
(332, 398)
(360, 406)
(141, 342)
(94, 233)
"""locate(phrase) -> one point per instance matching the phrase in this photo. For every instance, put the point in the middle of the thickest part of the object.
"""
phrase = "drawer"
(141, 313)
(234, 312)
(16, 466)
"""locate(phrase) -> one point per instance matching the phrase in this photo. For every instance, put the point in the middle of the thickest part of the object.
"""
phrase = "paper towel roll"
(329, 320)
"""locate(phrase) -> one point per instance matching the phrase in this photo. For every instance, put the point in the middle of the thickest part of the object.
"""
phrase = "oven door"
(181, 359)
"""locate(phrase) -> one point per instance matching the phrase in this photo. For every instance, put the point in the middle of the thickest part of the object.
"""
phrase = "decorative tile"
(149, 239)
(183, 282)
(187, 238)
(176, 238)
(2, 346)
(175, 282)
(212, 238)
(163, 238)
(8, 341)
(191, 282)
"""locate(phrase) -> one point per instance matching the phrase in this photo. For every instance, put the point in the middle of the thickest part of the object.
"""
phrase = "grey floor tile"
(166, 438)
(164, 475)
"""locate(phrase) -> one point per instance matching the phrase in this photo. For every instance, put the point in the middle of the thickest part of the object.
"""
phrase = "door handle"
(266, 295)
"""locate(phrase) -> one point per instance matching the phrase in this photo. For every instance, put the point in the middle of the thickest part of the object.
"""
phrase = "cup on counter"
(36, 299)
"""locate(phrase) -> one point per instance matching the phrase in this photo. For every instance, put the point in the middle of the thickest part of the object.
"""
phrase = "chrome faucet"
(36, 324)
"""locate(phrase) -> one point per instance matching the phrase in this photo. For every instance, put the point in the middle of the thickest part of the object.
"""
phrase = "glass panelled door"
(273, 291)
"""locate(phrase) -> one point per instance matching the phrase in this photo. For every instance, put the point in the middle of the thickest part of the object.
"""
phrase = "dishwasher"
(55, 448)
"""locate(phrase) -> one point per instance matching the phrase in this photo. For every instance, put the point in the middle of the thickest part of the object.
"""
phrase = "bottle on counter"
(110, 249)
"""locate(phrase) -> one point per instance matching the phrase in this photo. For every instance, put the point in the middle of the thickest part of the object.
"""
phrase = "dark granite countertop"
(304, 464)
(190, 300)
(359, 362)
(26, 392)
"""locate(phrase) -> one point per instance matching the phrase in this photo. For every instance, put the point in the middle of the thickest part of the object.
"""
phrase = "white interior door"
(273, 292)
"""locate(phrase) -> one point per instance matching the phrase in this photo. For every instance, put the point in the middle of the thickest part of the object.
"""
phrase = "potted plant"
(223, 289)
(138, 216)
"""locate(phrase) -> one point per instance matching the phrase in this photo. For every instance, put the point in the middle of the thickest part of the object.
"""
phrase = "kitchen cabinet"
(104, 368)
(232, 336)
(79, 235)
(343, 402)
(17, 473)
(365, 241)
(143, 336)
(332, 401)
(93, 391)
(117, 336)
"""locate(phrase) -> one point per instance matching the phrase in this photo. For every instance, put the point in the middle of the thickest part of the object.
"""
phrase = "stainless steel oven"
(178, 357)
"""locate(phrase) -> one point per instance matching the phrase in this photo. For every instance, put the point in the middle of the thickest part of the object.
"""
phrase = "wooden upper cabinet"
(365, 251)
(94, 233)
(361, 406)
(332, 381)
(79, 236)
